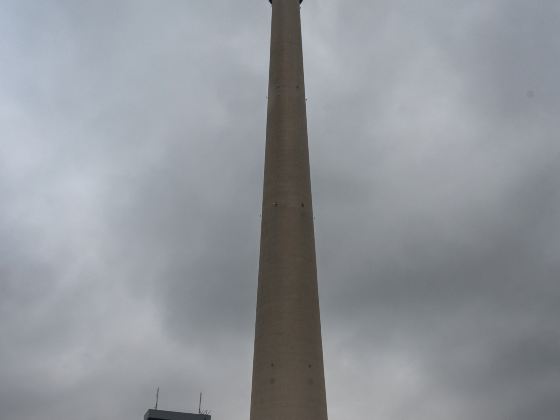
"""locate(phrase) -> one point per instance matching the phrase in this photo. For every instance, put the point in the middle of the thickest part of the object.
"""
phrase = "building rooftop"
(173, 415)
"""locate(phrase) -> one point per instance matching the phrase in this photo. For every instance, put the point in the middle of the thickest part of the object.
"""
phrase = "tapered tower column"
(288, 377)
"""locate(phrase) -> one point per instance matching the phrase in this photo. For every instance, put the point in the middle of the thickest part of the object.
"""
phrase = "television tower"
(288, 376)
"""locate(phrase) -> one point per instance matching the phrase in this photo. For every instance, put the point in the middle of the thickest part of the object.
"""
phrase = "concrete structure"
(173, 415)
(288, 378)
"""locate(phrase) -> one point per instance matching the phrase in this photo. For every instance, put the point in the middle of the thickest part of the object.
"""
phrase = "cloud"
(131, 160)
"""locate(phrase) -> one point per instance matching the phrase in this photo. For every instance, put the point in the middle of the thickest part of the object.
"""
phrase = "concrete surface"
(288, 377)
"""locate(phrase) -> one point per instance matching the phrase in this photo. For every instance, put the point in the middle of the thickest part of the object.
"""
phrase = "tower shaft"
(288, 376)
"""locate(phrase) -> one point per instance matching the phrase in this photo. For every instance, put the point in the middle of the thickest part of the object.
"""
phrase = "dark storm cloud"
(455, 260)
(131, 147)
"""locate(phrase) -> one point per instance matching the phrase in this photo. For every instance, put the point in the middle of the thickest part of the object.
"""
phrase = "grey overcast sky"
(131, 156)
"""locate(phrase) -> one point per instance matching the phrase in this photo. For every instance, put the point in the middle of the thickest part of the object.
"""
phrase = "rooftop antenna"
(200, 403)
(157, 398)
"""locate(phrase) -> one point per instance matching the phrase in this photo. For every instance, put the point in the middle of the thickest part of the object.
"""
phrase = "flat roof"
(174, 415)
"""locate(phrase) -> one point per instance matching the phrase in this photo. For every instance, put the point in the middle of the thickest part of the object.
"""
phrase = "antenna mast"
(157, 398)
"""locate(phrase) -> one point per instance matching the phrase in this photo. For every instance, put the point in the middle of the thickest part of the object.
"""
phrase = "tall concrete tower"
(288, 377)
